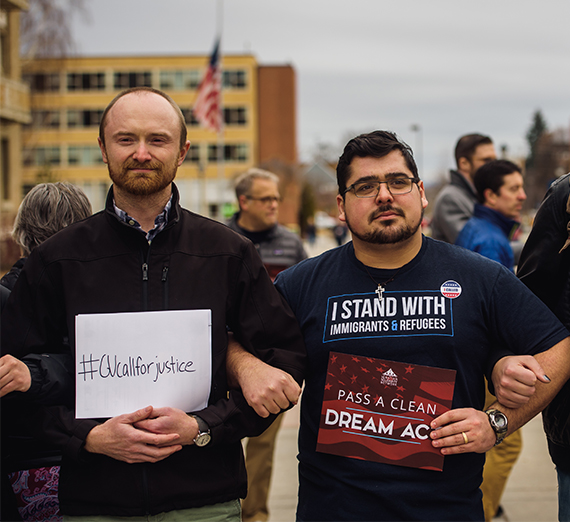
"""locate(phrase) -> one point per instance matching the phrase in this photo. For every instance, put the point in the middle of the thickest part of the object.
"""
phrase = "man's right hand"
(119, 439)
(14, 375)
(266, 389)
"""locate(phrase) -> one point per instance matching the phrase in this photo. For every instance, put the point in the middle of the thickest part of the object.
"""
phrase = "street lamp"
(415, 128)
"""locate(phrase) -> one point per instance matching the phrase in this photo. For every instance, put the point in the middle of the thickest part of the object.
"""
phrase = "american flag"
(207, 109)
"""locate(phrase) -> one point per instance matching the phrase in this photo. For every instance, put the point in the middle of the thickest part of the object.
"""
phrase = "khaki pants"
(499, 462)
(259, 464)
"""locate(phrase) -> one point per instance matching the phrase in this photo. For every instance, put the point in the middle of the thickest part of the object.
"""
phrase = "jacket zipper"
(145, 286)
(165, 287)
(145, 276)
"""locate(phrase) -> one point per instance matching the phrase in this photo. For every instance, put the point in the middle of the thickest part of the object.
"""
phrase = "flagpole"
(221, 165)
(208, 110)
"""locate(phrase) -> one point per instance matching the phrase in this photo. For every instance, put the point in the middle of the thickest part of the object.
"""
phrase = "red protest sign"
(380, 410)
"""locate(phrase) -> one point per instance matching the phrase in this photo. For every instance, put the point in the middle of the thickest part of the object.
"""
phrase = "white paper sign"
(127, 361)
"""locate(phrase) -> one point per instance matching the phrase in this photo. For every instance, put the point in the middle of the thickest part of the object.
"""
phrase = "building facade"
(14, 112)
(68, 96)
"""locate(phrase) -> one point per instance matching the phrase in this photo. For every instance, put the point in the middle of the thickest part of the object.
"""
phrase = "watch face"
(500, 421)
(202, 439)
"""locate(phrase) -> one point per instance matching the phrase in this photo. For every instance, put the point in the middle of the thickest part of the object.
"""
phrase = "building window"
(180, 80)
(83, 118)
(86, 81)
(193, 155)
(41, 156)
(45, 119)
(233, 152)
(43, 82)
(191, 120)
(234, 79)
(84, 155)
(126, 80)
(232, 116)
(235, 116)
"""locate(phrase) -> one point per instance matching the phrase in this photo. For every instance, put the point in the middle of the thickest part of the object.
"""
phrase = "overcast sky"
(449, 66)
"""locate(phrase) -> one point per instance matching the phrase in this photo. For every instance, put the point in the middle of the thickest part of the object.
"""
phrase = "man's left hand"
(515, 378)
(449, 429)
(164, 421)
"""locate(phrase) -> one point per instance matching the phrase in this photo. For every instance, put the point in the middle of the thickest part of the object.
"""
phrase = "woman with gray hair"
(45, 210)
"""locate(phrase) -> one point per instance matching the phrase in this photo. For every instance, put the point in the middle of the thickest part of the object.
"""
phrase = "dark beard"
(389, 234)
(144, 185)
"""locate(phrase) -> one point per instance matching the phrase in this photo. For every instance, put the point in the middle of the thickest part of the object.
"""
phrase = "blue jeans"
(563, 495)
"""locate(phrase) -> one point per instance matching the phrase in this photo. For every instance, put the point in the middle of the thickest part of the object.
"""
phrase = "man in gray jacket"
(257, 192)
(455, 202)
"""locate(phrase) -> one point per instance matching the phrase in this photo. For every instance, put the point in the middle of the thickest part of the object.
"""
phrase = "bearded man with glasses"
(377, 311)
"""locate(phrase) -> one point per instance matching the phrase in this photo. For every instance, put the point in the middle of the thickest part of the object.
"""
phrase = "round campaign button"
(451, 289)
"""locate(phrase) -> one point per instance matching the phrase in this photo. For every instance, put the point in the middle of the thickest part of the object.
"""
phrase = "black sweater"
(545, 268)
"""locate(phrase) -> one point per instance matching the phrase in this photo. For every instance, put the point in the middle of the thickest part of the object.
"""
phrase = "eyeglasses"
(370, 189)
(266, 200)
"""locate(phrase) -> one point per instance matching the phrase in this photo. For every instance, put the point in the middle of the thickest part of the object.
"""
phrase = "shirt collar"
(159, 222)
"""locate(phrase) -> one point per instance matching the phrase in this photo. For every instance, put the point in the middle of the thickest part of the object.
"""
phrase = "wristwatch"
(203, 437)
(499, 423)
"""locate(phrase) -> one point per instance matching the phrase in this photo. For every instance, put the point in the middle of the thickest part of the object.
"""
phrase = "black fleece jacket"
(545, 268)
(102, 265)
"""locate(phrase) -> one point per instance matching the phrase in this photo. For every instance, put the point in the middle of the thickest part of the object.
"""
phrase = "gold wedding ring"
(465, 439)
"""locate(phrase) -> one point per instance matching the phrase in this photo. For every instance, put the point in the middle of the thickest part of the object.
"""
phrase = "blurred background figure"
(257, 192)
(311, 231)
(340, 231)
(454, 203)
(29, 468)
(500, 195)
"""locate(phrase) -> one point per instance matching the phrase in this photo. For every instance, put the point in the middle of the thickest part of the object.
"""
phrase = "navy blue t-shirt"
(447, 308)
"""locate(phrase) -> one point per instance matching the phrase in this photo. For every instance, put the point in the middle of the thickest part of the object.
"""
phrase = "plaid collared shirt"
(159, 223)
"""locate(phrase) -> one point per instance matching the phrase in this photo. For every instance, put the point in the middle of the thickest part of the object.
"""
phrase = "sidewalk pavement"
(530, 495)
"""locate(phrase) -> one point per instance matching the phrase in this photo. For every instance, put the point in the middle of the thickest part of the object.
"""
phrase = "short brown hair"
(376, 144)
(45, 210)
(183, 129)
(466, 145)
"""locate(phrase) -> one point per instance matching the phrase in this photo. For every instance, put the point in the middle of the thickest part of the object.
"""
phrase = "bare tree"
(45, 30)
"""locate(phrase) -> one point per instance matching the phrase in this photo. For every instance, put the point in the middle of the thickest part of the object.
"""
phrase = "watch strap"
(203, 436)
(202, 424)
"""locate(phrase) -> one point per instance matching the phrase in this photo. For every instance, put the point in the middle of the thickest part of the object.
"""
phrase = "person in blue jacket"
(496, 217)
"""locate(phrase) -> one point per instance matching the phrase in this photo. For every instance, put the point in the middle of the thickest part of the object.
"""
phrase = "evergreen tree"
(308, 206)
(533, 135)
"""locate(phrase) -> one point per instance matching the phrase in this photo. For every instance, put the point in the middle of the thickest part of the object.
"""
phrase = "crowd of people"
(278, 321)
